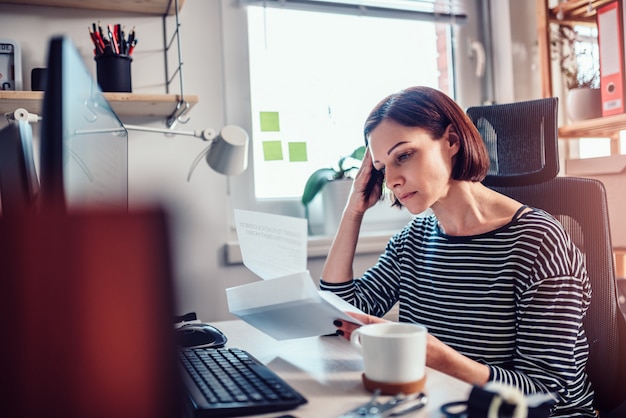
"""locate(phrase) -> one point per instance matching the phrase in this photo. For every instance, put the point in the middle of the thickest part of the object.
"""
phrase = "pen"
(131, 41)
(100, 41)
(119, 39)
(93, 39)
(132, 46)
(113, 39)
(96, 41)
(123, 43)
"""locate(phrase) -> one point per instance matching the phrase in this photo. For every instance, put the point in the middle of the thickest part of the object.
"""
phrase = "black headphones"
(496, 400)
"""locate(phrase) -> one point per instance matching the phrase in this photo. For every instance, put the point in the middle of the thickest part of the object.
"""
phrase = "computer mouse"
(200, 335)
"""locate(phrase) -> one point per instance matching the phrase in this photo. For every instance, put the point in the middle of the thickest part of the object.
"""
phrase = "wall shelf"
(124, 104)
(570, 12)
(575, 11)
(146, 7)
(170, 106)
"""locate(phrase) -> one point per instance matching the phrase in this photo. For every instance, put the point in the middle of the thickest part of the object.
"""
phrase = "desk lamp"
(227, 152)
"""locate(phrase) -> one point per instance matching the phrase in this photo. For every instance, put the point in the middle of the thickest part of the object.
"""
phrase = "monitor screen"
(84, 145)
(19, 185)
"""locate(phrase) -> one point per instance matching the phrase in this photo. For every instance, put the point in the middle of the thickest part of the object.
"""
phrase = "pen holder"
(113, 72)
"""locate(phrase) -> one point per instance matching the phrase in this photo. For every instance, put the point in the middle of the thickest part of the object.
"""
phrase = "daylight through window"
(315, 77)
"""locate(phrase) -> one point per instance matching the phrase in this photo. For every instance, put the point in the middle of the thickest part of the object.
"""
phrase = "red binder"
(610, 43)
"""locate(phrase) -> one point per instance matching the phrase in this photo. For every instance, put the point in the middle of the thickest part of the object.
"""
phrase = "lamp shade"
(229, 151)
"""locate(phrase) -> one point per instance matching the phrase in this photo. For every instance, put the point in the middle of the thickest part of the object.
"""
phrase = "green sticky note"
(269, 122)
(297, 151)
(272, 151)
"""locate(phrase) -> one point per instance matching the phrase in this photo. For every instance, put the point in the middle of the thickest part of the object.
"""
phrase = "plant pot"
(583, 103)
(334, 198)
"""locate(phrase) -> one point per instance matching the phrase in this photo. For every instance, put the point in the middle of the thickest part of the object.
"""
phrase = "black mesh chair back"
(522, 145)
(522, 141)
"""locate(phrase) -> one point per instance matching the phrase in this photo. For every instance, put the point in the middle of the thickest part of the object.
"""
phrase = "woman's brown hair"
(434, 111)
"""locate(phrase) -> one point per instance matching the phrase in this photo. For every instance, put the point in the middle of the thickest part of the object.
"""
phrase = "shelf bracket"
(182, 106)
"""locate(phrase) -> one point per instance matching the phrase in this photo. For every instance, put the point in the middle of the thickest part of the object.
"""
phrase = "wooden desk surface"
(327, 371)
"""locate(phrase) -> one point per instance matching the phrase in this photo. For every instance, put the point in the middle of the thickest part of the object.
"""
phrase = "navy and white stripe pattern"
(513, 299)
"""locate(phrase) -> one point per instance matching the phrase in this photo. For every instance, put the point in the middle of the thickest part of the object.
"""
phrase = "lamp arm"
(238, 138)
(204, 134)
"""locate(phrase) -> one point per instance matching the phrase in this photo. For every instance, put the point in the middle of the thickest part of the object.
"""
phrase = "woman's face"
(417, 167)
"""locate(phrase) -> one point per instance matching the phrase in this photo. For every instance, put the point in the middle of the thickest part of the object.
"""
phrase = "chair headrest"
(522, 141)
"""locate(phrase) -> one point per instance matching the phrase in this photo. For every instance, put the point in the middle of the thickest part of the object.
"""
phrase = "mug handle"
(355, 340)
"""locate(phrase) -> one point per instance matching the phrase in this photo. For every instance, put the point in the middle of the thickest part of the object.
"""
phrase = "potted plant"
(333, 200)
(581, 73)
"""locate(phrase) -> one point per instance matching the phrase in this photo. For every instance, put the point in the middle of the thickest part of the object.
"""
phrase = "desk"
(327, 371)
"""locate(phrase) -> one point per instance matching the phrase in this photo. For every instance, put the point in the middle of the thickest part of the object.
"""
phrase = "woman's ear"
(453, 139)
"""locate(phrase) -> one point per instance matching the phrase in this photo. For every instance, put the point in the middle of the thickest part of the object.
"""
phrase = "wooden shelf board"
(12, 100)
(124, 104)
(147, 7)
(576, 11)
(605, 127)
(138, 104)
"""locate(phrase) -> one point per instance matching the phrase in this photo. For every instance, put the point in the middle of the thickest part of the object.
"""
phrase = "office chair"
(522, 139)
(621, 287)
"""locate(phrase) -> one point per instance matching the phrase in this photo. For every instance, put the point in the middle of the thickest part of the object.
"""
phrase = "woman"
(500, 286)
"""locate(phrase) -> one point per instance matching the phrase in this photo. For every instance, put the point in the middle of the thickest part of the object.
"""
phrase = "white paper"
(287, 304)
(272, 245)
(293, 287)
(288, 307)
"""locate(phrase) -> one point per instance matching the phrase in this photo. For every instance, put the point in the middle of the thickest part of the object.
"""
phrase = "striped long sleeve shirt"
(513, 299)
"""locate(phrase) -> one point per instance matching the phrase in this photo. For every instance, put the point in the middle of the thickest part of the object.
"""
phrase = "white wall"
(158, 165)
(515, 52)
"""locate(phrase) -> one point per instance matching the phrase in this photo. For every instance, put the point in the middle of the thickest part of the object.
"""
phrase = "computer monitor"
(19, 185)
(84, 145)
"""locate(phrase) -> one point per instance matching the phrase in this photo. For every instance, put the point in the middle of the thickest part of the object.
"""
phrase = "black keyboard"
(225, 382)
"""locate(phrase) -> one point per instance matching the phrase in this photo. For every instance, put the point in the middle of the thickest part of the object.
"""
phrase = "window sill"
(318, 246)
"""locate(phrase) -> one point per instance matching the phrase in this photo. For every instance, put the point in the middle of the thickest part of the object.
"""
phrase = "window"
(306, 73)
(315, 76)
(594, 147)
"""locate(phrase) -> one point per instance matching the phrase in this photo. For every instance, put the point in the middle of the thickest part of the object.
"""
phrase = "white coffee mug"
(393, 353)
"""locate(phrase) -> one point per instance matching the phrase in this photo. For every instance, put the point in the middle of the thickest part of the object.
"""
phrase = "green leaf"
(316, 182)
(358, 153)
(319, 178)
